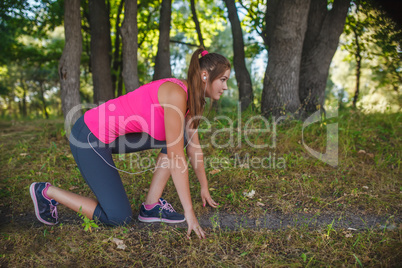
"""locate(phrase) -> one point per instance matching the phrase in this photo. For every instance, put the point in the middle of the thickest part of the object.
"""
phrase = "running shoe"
(45, 208)
(163, 212)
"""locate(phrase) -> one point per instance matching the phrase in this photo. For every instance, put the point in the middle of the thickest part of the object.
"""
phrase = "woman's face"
(215, 89)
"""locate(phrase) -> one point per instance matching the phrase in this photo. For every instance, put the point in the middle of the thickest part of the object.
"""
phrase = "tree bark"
(243, 79)
(69, 65)
(24, 97)
(100, 50)
(286, 27)
(320, 43)
(197, 23)
(129, 34)
(120, 85)
(162, 61)
(358, 57)
(117, 55)
(42, 98)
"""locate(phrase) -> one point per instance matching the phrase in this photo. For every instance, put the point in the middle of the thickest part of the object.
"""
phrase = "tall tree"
(243, 79)
(116, 70)
(320, 43)
(24, 96)
(129, 33)
(356, 26)
(69, 65)
(387, 36)
(373, 41)
(162, 60)
(197, 23)
(100, 50)
(358, 57)
(286, 24)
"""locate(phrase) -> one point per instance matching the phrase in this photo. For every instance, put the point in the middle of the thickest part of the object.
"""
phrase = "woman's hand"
(206, 197)
(193, 225)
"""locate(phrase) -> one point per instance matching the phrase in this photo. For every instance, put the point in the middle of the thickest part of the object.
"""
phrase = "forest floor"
(291, 210)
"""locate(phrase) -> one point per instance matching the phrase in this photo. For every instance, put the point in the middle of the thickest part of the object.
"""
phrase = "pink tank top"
(136, 111)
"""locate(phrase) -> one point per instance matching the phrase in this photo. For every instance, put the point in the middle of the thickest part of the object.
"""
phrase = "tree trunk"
(129, 34)
(162, 61)
(358, 57)
(120, 85)
(286, 27)
(320, 43)
(116, 56)
(24, 103)
(197, 23)
(42, 97)
(24, 97)
(69, 65)
(243, 79)
(100, 50)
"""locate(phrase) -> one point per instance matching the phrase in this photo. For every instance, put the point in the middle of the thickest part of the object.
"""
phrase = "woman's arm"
(196, 157)
(173, 99)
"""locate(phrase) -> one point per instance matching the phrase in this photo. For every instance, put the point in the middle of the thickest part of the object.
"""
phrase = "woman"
(153, 116)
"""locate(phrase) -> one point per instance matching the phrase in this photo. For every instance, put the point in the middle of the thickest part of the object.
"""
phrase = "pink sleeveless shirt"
(136, 111)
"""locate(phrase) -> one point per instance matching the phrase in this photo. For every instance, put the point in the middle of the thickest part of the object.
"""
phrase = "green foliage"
(33, 74)
(13, 23)
(371, 34)
(22, 17)
(87, 224)
(30, 39)
(211, 18)
(148, 29)
(254, 20)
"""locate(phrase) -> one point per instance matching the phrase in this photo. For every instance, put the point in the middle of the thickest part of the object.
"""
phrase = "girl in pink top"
(153, 116)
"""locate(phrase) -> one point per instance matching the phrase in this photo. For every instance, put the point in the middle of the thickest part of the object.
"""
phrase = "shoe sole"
(35, 201)
(143, 219)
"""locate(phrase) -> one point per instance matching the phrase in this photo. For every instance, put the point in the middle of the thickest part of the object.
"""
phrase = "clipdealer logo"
(331, 153)
(330, 156)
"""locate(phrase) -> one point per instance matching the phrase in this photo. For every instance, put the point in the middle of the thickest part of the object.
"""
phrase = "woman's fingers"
(189, 233)
(212, 203)
(198, 231)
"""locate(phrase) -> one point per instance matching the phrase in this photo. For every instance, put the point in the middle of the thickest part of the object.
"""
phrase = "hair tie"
(204, 53)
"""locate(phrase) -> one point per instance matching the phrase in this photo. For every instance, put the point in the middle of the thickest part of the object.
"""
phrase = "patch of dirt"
(356, 221)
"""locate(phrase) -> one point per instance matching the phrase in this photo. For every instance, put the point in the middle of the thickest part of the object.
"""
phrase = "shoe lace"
(53, 211)
(167, 206)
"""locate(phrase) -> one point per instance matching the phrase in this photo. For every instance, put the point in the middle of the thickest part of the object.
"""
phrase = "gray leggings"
(114, 207)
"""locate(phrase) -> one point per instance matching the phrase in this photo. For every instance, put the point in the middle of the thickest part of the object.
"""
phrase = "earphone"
(133, 173)
(205, 90)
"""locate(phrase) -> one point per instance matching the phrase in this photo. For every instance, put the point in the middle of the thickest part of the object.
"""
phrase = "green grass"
(366, 181)
(71, 246)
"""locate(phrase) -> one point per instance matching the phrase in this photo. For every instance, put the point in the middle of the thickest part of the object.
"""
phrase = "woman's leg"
(135, 142)
(158, 209)
(159, 180)
(78, 203)
(95, 162)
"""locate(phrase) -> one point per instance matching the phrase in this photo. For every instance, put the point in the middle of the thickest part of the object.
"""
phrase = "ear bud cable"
(132, 173)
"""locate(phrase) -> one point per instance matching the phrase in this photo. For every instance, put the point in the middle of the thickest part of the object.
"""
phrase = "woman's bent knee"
(113, 218)
(120, 221)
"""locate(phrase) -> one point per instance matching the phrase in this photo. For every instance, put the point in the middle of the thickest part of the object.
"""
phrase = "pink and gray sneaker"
(162, 212)
(45, 208)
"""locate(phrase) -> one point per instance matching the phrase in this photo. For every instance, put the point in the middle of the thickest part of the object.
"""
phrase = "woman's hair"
(215, 65)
